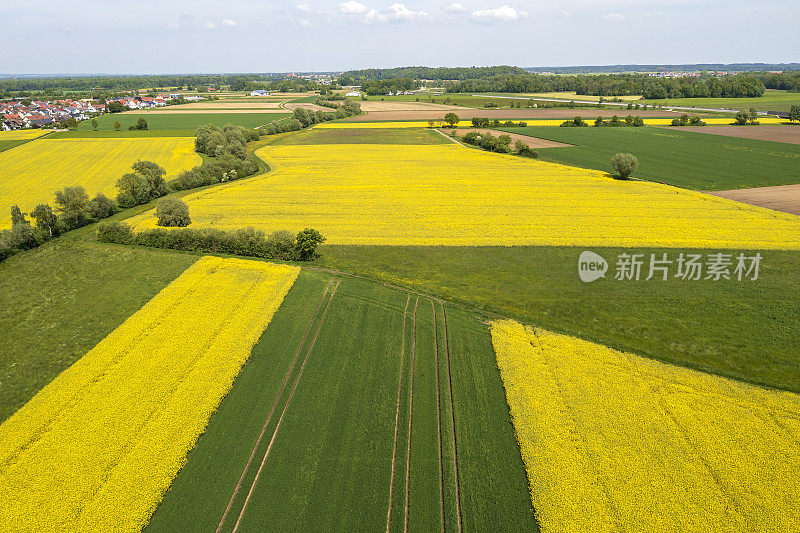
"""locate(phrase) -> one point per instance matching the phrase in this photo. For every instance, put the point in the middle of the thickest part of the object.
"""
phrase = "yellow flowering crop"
(21, 135)
(616, 442)
(587, 117)
(31, 174)
(451, 195)
(96, 449)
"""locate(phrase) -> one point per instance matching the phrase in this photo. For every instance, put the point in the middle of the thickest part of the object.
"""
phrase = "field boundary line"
(453, 415)
(443, 134)
(410, 413)
(272, 411)
(397, 415)
(288, 401)
(438, 412)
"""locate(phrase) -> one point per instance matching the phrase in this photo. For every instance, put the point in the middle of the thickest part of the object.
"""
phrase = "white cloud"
(394, 13)
(374, 17)
(563, 14)
(613, 17)
(504, 13)
(229, 23)
(353, 7)
(456, 7)
(303, 7)
(401, 12)
(210, 26)
(304, 22)
(174, 25)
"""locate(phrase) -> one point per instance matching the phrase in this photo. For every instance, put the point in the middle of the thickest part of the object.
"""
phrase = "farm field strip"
(693, 160)
(587, 117)
(22, 135)
(451, 195)
(331, 467)
(97, 447)
(31, 173)
(774, 133)
(397, 417)
(272, 409)
(452, 409)
(616, 442)
(286, 406)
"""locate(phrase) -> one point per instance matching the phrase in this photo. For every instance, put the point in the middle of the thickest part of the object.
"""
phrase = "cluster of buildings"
(19, 113)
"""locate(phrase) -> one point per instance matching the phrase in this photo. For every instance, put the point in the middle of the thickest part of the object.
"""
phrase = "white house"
(259, 92)
(353, 93)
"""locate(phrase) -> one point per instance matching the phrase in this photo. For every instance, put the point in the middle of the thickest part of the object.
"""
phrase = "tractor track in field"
(274, 406)
(286, 406)
(453, 415)
(410, 413)
(438, 412)
(397, 416)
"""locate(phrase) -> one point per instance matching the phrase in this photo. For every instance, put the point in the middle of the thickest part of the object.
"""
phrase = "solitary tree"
(794, 113)
(172, 212)
(117, 126)
(306, 244)
(753, 116)
(141, 124)
(94, 124)
(451, 118)
(741, 118)
(625, 164)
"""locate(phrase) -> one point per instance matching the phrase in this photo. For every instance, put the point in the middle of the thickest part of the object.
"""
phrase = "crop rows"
(616, 442)
(97, 447)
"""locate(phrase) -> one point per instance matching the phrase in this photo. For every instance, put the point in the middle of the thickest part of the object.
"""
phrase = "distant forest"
(689, 67)
(502, 79)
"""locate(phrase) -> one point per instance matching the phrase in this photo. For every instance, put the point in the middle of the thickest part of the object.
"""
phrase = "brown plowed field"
(777, 133)
(784, 198)
(467, 114)
(533, 142)
(371, 106)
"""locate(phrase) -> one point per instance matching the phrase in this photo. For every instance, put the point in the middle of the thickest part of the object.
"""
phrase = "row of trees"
(303, 118)
(500, 144)
(248, 242)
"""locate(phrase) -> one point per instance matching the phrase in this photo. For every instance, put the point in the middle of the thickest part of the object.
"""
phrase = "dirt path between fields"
(770, 132)
(453, 414)
(784, 198)
(272, 411)
(532, 142)
(397, 416)
(283, 413)
(410, 413)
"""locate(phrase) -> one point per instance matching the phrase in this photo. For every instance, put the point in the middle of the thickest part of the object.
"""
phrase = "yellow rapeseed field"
(451, 195)
(21, 135)
(31, 174)
(616, 442)
(588, 117)
(96, 449)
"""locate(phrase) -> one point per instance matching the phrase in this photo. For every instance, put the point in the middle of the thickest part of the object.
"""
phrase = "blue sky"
(147, 36)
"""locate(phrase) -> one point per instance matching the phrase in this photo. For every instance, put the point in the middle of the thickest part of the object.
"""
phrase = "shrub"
(306, 244)
(114, 232)
(101, 206)
(625, 164)
(71, 203)
(172, 212)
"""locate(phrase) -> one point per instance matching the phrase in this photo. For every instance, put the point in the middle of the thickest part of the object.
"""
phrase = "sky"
(203, 36)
